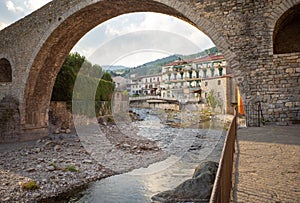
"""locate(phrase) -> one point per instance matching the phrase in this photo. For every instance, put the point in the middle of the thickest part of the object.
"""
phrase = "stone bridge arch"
(38, 44)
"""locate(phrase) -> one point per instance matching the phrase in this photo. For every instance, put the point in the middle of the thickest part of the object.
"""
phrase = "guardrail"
(144, 98)
(151, 97)
(223, 181)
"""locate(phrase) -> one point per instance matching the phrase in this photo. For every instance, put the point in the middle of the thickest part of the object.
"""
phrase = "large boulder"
(196, 189)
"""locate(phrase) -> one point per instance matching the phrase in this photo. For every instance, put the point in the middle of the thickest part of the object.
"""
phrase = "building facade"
(202, 80)
(145, 85)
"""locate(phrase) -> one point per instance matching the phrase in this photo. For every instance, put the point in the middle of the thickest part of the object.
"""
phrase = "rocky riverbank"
(38, 171)
(47, 170)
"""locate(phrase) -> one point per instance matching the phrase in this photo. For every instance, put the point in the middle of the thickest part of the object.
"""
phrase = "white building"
(145, 85)
(196, 80)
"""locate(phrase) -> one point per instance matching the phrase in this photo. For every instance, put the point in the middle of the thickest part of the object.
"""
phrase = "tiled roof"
(197, 60)
(208, 58)
(177, 63)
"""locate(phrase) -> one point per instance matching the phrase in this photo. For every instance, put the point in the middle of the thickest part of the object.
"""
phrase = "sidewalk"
(267, 167)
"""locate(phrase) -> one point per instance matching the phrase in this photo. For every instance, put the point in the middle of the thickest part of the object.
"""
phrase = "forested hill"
(154, 67)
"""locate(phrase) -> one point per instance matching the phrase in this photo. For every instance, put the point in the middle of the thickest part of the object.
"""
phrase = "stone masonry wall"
(283, 106)
(60, 116)
(9, 120)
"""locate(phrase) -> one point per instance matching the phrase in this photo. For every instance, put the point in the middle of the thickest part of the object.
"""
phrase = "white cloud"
(35, 4)
(11, 7)
(155, 21)
(2, 25)
(148, 30)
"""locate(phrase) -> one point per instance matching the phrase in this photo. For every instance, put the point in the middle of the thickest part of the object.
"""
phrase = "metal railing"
(254, 114)
(223, 181)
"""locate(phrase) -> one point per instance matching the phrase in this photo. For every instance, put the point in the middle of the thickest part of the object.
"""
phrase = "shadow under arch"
(286, 32)
(5, 70)
(61, 40)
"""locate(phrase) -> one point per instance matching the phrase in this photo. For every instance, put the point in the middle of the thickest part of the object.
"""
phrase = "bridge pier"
(29, 132)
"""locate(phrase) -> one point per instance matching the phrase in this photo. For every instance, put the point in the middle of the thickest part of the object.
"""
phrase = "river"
(186, 147)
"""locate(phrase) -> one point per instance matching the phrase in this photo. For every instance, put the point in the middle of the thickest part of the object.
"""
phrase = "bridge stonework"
(243, 30)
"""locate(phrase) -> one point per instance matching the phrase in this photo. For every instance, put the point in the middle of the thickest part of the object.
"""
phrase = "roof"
(197, 60)
(209, 58)
(177, 63)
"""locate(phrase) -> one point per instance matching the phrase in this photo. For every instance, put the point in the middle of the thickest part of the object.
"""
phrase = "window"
(181, 74)
(5, 71)
(219, 94)
(220, 71)
(219, 82)
(205, 84)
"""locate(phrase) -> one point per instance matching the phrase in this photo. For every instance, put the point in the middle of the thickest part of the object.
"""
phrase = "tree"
(214, 101)
(90, 75)
(211, 100)
(65, 80)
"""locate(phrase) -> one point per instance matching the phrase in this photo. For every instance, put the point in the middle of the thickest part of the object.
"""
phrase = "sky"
(129, 40)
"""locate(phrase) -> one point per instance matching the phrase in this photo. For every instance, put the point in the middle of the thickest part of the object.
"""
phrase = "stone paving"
(267, 164)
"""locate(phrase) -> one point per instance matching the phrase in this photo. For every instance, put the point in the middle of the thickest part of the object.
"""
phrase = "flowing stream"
(186, 147)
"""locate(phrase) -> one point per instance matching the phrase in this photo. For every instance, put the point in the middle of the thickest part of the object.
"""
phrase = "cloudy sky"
(129, 40)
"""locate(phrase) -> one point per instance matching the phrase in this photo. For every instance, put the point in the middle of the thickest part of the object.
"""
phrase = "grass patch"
(70, 168)
(30, 185)
(54, 165)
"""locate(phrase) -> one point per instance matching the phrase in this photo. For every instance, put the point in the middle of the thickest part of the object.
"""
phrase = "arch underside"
(286, 35)
(58, 45)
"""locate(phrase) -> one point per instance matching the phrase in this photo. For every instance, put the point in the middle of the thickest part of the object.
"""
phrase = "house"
(202, 80)
(145, 85)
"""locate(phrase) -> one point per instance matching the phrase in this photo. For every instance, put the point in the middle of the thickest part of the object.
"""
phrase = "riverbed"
(132, 159)
(185, 147)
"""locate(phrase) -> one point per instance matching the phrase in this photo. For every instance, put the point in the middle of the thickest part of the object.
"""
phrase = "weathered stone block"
(290, 70)
(289, 104)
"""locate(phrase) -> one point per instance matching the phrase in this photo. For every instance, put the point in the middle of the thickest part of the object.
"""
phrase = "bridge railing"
(143, 98)
(151, 98)
(223, 181)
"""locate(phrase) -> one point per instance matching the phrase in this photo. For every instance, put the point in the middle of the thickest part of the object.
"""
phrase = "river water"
(186, 147)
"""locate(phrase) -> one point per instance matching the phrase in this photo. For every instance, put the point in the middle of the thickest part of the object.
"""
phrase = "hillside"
(154, 67)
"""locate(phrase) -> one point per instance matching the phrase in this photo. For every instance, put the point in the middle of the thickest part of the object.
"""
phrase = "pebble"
(50, 168)
(57, 131)
(87, 161)
(57, 148)
(48, 143)
(29, 170)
